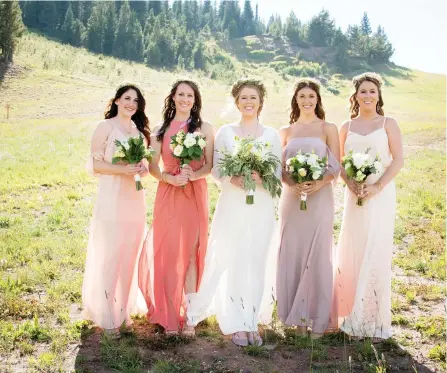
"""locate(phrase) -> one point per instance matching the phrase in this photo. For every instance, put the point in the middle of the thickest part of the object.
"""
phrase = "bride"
(239, 274)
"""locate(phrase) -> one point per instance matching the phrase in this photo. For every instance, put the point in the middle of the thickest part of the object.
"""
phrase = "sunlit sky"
(417, 29)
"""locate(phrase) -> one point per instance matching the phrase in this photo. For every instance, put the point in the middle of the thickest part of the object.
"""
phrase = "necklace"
(128, 132)
(248, 135)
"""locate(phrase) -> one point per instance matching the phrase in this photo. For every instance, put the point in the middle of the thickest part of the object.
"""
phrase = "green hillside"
(57, 93)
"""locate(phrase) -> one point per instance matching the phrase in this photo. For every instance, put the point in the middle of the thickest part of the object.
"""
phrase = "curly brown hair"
(251, 83)
(169, 108)
(314, 85)
(357, 81)
(139, 118)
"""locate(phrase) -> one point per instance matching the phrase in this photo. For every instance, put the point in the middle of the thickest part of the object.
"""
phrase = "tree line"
(164, 34)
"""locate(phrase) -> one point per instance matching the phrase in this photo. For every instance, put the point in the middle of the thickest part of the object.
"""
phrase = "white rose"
(291, 169)
(288, 161)
(197, 133)
(202, 143)
(302, 172)
(189, 141)
(178, 150)
(378, 166)
(358, 159)
(301, 158)
(316, 175)
(172, 145)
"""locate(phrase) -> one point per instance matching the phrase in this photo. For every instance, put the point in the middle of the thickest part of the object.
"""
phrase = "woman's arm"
(154, 168)
(97, 148)
(396, 149)
(204, 171)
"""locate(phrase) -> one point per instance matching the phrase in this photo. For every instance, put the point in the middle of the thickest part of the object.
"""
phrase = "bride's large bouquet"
(359, 166)
(248, 156)
(306, 167)
(132, 151)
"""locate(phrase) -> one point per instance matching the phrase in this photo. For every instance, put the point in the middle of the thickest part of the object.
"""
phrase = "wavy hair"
(314, 85)
(139, 118)
(195, 119)
(357, 81)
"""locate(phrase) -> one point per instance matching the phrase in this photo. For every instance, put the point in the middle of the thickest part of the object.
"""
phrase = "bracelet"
(163, 177)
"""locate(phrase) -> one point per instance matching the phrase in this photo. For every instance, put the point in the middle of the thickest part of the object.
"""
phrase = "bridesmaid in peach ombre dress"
(171, 264)
(118, 226)
(365, 245)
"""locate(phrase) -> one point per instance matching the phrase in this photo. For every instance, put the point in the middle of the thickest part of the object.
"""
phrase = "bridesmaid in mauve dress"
(305, 271)
(118, 225)
(172, 261)
(365, 245)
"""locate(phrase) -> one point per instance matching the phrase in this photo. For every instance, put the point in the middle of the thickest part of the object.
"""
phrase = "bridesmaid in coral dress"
(365, 246)
(305, 270)
(118, 226)
(171, 264)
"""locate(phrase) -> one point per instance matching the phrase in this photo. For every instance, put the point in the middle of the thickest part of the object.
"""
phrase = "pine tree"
(321, 30)
(293, 29)
(381, 49)
(248, 20)
(141, 10)
(340, 46)
(96, 28)
(111, 25)
(365, 26)
(68, 26)
(11, 28)
(121, 35)
(47, 17)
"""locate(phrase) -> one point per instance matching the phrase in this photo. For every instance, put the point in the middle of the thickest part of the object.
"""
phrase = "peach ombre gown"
(117, 233)
(180, 221)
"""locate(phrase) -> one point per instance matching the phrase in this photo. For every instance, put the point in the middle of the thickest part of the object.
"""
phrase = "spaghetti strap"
(384, 120)
(349, 127)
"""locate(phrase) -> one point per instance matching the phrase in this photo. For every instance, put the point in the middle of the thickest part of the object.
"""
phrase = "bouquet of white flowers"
(248, 156)
(306, 167)
(359, 166)
(132, 151)
(187, 146)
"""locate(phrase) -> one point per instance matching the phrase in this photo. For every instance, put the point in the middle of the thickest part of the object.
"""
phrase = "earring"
(194, 108)
(172, 106)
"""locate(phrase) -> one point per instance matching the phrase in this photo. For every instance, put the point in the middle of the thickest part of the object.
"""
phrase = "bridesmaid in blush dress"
(171, 264)
(118, 225)
(365, 245)
(305, 269)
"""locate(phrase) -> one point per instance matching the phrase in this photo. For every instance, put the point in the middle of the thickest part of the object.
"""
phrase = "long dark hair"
(195, 119)
(139, 118)
(357, 81)
(314, 85)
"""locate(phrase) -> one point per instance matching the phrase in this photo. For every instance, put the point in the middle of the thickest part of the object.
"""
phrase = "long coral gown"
(179, 227)
(117, 232)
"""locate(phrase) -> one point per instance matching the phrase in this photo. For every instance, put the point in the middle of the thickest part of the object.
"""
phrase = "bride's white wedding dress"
(238, 283)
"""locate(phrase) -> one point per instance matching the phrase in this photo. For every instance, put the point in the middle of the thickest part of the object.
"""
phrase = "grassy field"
(57, 95)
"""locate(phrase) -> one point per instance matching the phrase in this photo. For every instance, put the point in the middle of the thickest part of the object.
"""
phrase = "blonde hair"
(251, 83)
